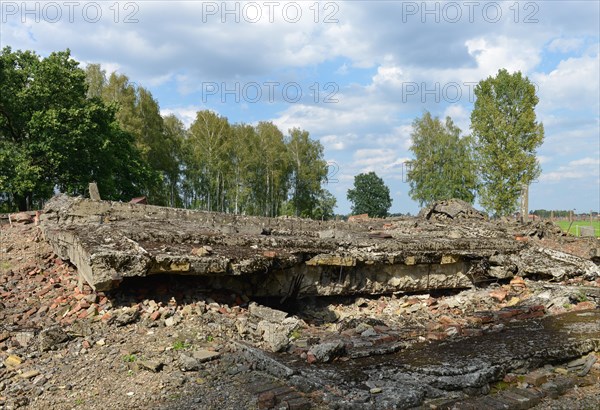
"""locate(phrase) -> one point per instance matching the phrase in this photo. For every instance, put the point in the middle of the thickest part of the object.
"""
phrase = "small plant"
(210, 339)
(181, 345)
(582, 297)
(500, 386)
(295, 334)
(567, 306)
(129, 358)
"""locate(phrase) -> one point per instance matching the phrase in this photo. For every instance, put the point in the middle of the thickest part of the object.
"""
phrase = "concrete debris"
(110, 242)
(50, 338)
(326, 352)
(21, 218)
(451, 209)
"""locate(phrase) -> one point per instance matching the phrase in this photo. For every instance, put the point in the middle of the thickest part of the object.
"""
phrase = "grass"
(564, 225)
(129, 358)
(181, 345)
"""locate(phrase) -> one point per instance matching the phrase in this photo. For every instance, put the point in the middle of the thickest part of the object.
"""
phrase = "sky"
(355, 74)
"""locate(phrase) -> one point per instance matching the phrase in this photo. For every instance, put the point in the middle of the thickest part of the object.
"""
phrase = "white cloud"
(574, 84)
(186, 114)
(564, 45)
(581, 169)
(338, 142)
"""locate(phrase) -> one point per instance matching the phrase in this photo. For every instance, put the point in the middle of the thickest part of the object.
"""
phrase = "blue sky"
(355, 74)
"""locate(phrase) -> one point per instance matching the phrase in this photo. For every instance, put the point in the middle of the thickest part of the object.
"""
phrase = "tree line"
(62, 127)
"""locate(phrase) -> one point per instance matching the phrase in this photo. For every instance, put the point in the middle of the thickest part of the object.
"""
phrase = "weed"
(500, 386)
(295, 334)
(129, 358)
(210, 339)
(181, 345)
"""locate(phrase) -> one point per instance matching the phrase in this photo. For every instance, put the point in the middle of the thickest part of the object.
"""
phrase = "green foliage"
(574, 228)
(52, 136)
(159, 140)
(324, 206)
(370, 196)
(181, 345)
(62, 127)
(295, 334)
(506, 136)
(129, 358)
(443, 167)
(308, 171)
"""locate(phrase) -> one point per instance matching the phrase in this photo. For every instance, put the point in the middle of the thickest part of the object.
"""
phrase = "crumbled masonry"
(450, 246)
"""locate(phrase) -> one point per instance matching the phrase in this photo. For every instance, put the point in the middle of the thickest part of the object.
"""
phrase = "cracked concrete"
(258, 256)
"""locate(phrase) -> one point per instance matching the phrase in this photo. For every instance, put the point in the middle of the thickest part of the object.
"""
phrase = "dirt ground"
(169, 343)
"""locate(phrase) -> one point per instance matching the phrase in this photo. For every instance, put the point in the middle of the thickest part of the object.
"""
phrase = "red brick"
(530, 315)
(498, 294)
(584, 306)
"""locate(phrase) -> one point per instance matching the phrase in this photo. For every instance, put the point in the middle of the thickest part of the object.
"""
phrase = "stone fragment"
(154, 366)
(202, 251)
(205, 355)
(21, 217)
(93, 190)
(266, 313)
(24, 338)
(188, 363)
(29, 374)
(12, 361)
(51, 337)
(591, 359)
(173, 320)
(129, 315)
(275, 335)
(266, 400)
(326, 352)
(536, 378)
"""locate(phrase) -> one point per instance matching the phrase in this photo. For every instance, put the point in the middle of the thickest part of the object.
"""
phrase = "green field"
(564, 225)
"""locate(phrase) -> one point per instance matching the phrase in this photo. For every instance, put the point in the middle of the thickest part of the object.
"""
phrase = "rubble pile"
(451, 209)
(518, 327)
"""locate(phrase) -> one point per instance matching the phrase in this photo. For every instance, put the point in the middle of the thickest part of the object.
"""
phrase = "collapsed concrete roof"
(112, 241)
